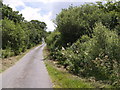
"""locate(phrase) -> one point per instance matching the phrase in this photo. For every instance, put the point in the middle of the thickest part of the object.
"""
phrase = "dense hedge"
(78, 21)
(87, 41)
(98, 56)
(19, 34)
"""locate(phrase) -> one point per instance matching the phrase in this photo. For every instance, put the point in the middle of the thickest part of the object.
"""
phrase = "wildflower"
(86, 53)
(106, 56)
(76, 51)
(63, 48)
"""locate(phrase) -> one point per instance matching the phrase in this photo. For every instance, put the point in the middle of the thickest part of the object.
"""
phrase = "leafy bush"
(86, 48)
(78, 21)
(7, 53)
(17, 33)
(13, 36)
(54, 41)
(97, 56)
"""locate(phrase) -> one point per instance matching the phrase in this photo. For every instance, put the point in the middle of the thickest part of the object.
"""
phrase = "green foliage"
(63, 79)
(108, 40)
(54, 44)
(78, 21)
(18, 34)
(89, 41)
(8, 13)
(38, 24)
(53, 40)
(7, 53)
(97, 56)
(117, 28)
(13, 36)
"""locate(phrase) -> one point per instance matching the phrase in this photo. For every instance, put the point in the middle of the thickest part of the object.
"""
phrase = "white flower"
(76, 51)
(86, 53)
(63, 48)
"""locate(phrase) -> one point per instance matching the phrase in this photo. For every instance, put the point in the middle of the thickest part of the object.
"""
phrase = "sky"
(43, 10)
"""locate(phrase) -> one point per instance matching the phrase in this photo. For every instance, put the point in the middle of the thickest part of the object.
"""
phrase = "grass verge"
(63, 79)
(8, 62)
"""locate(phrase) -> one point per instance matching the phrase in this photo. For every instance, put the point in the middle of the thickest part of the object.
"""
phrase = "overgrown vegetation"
(19, 34)
(87, 41)
(62, 79)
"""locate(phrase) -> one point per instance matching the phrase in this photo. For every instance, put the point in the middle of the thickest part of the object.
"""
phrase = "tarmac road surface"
(29, 72)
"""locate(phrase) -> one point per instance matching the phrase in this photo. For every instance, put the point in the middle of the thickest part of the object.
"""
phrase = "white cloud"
(46, 1)
(14, 3)
(48, 21)
(31, 13)
(34, 14)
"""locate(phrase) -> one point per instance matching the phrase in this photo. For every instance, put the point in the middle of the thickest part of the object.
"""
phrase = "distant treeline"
(87, 41)
(17, 33)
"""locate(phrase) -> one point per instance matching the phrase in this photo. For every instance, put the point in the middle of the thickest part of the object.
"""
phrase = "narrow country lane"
(29, 72)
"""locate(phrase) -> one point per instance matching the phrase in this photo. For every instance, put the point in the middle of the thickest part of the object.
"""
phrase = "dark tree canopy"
(8, 13)
(87, 41)
(74, 22)
(19, 34)
(39, 24)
